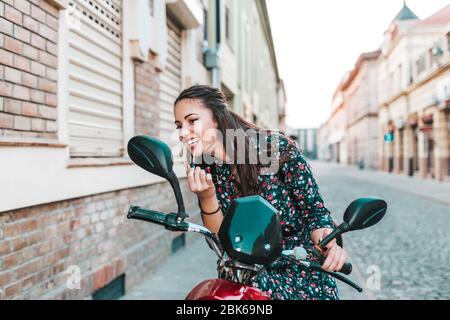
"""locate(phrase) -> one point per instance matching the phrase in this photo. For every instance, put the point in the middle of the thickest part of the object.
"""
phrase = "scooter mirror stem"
(173, 180)
(343, 227)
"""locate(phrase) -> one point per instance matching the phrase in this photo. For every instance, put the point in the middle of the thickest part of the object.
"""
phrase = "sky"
(317, 41)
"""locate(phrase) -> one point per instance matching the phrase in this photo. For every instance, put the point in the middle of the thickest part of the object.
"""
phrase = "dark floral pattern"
(293, 191)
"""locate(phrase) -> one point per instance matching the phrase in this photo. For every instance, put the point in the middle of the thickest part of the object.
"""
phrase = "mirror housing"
(151, 154)
(154, 156)
(361, 213)
(364, 212)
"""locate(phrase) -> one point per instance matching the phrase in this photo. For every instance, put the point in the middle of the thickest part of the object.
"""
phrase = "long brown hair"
(214, 100)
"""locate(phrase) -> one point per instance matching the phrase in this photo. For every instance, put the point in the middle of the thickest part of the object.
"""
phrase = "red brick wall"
(28, 68)
(147, 96)
(38, 244)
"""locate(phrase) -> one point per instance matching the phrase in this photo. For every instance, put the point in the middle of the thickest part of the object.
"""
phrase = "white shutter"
(95, 79)
(170, 86)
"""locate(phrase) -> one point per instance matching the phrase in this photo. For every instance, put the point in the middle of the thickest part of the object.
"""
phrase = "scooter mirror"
(151, 154)
(154, 155)
(364, 212)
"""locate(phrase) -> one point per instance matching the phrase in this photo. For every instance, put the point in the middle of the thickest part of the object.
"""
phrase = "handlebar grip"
(168, 221)
(135, 212)
(346, 268)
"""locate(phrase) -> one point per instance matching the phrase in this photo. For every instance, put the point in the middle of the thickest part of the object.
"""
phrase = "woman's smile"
(192, 142)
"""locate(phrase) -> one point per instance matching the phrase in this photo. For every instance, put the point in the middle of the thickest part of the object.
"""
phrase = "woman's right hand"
(201, 183)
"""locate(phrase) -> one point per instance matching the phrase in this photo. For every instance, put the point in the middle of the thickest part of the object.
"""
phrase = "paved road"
(407, 251)
(410, 245)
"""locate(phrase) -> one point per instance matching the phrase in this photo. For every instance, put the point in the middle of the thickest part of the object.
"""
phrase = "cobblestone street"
(408, 247)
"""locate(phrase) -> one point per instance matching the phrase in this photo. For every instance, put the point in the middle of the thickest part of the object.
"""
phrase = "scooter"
(250, 237)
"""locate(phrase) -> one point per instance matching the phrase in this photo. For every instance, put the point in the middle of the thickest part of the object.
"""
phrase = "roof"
(405, 13)
(365, 56)
(442, 17)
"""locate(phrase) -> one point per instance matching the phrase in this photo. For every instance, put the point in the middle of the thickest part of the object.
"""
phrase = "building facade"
(306, 139)
(405, 86)
(78, 79)
(332, 134)
(413, 112)
(362, 116)
(249, 73)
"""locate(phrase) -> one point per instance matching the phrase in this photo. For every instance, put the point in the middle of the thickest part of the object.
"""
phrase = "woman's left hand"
(335, 255)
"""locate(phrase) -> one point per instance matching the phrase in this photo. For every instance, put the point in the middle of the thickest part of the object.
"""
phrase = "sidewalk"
(180, 273)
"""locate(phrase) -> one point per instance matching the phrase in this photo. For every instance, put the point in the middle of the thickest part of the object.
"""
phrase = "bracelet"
(209, 213)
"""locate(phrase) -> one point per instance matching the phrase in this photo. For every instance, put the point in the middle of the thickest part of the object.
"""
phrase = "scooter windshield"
(251, 231)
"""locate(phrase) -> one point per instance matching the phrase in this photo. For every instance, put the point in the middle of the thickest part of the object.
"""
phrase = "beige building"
(362, 116)
(248, 66)
(323, 151)
(332, 140)
(408, 88)
(413, 90)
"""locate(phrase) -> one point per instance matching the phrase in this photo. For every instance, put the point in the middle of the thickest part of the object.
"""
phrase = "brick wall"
(147, 97)
(28, 68)
(38, 244)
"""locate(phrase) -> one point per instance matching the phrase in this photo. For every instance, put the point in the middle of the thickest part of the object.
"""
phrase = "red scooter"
(249, 238)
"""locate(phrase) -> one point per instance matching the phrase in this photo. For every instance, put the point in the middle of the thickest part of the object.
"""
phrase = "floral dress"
(293, 191)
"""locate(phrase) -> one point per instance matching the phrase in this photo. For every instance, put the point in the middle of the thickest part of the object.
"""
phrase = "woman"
(203, 118)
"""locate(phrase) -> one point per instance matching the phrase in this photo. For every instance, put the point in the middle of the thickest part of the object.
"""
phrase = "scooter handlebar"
(346, 268)
(168, 221)
(300, 253)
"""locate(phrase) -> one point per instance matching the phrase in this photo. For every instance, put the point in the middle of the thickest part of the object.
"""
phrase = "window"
(229, 96)
(391, 84)
(420, 64)
(229, 26)
(205, 24)
(227, 23)
(151, 5)
(448, 41)
(95, 102)
(431, 58)
(202, 37)
(400, 76)
(254, 118)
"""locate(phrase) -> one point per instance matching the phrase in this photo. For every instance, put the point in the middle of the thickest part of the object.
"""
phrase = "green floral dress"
(293, 191)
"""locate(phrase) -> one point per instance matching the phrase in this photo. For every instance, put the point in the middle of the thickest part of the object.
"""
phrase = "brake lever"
(317, 267)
